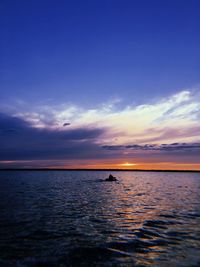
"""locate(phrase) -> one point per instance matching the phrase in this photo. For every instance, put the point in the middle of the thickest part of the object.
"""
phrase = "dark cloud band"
(162, 147)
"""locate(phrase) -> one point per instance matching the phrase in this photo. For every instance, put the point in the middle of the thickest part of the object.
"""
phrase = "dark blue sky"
(86, 52)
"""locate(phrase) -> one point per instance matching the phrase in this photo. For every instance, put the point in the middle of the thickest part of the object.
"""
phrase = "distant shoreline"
(123, 170)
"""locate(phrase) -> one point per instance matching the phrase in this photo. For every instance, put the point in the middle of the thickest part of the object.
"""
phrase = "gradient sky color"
(100, 83)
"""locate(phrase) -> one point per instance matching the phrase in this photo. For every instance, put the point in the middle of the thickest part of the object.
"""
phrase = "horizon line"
(91, 169)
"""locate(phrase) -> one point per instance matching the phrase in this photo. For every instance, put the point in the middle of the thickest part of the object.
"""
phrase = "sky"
(100, 84)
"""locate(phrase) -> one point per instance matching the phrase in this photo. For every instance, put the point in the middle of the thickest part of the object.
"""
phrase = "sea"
(76, 218)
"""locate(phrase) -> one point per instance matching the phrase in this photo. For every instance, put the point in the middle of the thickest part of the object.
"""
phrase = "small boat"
(111, 178)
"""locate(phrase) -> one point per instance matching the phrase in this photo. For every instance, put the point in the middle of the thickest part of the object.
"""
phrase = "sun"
(127, 164)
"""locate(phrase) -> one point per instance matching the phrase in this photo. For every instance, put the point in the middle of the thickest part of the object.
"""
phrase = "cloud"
(66, 124)
(165, 129)
(20, 140)
(175, 147)
(171, 119)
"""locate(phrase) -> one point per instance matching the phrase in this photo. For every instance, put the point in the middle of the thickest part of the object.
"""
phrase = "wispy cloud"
(171, 119)
(163, 130)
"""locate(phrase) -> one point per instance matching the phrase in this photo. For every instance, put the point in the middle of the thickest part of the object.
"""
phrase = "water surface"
(74, 218)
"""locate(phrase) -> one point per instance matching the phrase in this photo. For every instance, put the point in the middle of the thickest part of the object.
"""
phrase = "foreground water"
(74, 218)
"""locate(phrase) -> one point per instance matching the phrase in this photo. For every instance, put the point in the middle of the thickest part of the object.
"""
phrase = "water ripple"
(75, 219)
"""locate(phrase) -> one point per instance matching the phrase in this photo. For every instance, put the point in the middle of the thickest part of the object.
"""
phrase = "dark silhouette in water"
(111, 178)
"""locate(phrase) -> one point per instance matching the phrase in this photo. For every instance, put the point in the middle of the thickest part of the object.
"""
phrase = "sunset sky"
(100, 84)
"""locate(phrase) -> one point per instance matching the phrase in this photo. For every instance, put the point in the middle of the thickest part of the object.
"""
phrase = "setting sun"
(127, 164)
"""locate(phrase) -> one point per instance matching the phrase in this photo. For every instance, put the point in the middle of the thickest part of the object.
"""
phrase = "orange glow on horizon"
(127, 164)
(139, 166)
(99, 164)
